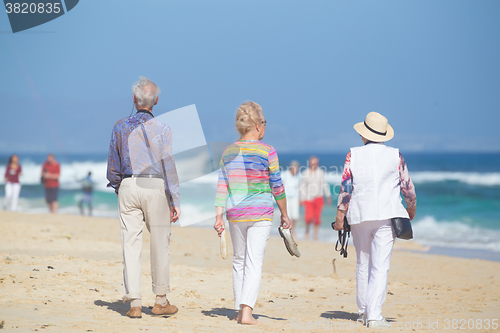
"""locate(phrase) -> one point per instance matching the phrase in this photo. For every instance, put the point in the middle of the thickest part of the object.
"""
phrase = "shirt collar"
(146, 111)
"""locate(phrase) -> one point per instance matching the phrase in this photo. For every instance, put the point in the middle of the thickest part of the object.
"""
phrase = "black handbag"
(402, 228)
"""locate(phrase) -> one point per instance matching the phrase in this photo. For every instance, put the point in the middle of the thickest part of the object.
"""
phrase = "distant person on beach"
(87, 188)
(291, 180)
(313, 187)
(142, 171)
(374, 176)
(249, 178)
(12, 184)
(51, 171)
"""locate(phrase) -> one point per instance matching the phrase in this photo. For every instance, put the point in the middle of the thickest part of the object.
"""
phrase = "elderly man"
(142, 171)
(312, 188)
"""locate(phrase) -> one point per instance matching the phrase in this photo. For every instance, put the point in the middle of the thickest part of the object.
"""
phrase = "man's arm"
(114, 163)
(170, 175)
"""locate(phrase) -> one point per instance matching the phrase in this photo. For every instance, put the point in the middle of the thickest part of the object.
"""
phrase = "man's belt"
(142, 176)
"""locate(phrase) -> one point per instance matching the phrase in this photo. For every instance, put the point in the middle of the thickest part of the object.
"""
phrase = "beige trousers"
(143, 201)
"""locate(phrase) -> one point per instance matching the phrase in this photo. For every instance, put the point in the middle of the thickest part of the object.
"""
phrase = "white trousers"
(142, 201)
(249, 246)
(12, 191)
(374, 241)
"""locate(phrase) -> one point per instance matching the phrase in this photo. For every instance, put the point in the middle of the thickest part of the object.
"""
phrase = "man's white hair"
(146, 92)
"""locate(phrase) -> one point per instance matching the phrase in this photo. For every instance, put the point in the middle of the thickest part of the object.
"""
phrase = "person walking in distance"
(312, 189)
(51, 170)
(12, 184)
(87, 189)
(291, 181)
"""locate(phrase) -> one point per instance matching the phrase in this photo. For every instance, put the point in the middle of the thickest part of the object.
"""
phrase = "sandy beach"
(63, 274)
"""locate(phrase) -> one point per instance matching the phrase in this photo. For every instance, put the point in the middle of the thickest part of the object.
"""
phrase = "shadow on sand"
(231, 314)
(346, 315)
(340, 315)
(119, 307)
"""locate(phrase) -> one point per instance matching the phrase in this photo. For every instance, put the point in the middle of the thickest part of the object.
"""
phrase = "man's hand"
(329, 201)
(411, 212)
(175, 213)
(219, 225)
(285, 222)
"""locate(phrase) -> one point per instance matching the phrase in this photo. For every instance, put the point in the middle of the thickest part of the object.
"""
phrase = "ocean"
(458, 196)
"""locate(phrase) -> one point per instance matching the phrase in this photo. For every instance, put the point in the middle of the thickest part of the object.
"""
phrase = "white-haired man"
(142, 171)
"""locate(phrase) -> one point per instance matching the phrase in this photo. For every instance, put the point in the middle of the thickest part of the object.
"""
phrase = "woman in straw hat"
(249, 178)
(373, 178)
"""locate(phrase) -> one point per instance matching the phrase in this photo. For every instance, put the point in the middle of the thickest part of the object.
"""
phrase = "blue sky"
(316, 67)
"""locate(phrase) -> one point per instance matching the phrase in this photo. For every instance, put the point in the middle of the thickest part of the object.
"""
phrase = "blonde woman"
(249, 178)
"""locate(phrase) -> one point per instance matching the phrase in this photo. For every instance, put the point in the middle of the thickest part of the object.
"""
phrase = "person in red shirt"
(50, 179)
(12, 185)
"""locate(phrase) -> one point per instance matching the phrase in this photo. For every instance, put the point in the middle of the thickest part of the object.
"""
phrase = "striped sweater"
(249, 177)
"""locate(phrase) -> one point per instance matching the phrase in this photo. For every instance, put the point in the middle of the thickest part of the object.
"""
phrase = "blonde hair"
(248, 115)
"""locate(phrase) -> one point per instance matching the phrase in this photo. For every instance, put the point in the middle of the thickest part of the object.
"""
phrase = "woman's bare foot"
(246, 316)
(238, 317)
(250, 321)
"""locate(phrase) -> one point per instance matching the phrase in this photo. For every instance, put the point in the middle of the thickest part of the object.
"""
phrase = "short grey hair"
(146, 92)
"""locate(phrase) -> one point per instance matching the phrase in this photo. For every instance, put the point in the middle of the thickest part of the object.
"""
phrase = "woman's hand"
(338, 225)
(411, 212)
(219, 225)
(339, 220)
(285, 222)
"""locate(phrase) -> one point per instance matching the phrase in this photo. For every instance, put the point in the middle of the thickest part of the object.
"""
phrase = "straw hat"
(375, 128)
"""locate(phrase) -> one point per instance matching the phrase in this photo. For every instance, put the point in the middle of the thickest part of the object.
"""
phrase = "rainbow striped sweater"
(249, 177)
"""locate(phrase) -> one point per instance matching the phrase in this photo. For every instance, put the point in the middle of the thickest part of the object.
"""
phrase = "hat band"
(374, 131)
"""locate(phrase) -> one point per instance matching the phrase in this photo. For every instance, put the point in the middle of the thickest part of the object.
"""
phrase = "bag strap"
(343, 239)
(151, 155)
